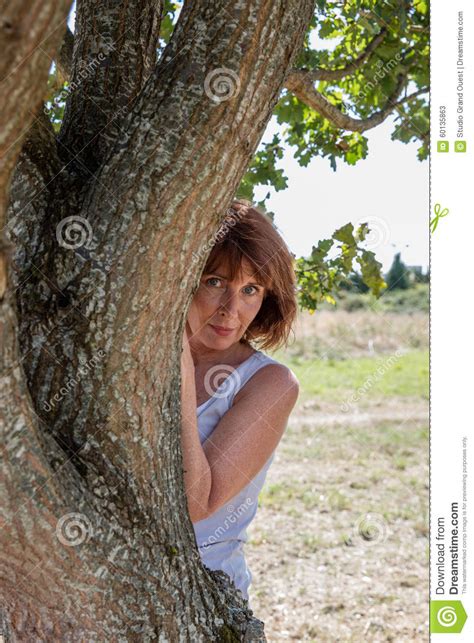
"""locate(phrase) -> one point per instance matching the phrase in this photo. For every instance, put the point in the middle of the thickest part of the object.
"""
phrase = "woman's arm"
(249, 432)
(197, 473)
(242, 441)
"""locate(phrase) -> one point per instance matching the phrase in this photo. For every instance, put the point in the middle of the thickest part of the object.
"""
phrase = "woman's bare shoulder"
(271, 378)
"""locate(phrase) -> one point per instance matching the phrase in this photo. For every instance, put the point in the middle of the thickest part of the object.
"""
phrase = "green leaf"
(345, 234)
(320, 278)
(421, 6)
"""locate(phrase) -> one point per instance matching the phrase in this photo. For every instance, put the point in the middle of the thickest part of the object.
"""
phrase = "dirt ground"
(339, 545)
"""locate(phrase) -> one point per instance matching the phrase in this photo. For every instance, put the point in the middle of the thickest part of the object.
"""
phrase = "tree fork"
(101, 322)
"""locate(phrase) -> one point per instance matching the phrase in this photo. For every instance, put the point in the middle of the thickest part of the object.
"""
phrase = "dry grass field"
(339, 546)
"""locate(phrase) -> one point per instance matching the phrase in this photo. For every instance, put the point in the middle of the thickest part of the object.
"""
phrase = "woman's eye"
(209, 281)
(252, 293)
(212, 279)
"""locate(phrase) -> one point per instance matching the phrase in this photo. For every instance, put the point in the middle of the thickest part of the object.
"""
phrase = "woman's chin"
(213, 339)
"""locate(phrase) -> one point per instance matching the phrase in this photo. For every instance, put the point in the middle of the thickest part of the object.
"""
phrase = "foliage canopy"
(362, 61)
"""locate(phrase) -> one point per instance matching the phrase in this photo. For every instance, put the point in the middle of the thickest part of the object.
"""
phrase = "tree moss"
(227, 635)
(172, 551)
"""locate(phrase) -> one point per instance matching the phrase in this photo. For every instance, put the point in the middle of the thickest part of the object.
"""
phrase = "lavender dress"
(221, 536)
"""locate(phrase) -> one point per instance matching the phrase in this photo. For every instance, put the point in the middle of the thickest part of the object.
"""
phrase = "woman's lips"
(221, 331)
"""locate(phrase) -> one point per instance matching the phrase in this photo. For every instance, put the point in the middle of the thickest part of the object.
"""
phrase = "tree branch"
(27, 48)
(64, 58)
(114, 55)
(199, 119)
(336, 74)
(300, 84)
(30, 191)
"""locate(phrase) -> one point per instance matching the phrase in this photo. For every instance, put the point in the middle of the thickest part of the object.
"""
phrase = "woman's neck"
(205, 357)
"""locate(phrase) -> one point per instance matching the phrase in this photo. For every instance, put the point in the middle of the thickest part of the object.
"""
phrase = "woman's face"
(223, 303)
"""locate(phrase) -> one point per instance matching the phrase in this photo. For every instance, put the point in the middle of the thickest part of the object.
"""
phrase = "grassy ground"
(404, 374)
(339, 546)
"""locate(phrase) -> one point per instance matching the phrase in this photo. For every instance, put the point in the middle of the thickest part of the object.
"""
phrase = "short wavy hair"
(249, 234)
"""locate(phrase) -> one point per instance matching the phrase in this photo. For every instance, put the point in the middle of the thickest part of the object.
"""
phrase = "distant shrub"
(354, 302)
(406, 301)
(397, 276)
(414, 299)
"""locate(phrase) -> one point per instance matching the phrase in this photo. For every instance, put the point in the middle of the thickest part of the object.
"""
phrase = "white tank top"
(221, 536)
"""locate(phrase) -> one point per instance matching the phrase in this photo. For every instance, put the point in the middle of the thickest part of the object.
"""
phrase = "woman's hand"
(197, 474)
(186, 356)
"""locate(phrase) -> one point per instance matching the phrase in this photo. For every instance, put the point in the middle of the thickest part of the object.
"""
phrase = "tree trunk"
(109, 241)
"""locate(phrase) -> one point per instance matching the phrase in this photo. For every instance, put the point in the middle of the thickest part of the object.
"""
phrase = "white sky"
(390, 185)
(388, 189)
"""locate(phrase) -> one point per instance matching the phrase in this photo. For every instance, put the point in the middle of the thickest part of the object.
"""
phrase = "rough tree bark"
(102, 225)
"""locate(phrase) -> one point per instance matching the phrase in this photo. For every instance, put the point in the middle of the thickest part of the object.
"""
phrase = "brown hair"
(249, 234)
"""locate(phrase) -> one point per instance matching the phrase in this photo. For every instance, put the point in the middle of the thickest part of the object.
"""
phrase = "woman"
(242, 398)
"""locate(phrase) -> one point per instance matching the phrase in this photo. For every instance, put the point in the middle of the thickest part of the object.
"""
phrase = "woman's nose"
(230, 302)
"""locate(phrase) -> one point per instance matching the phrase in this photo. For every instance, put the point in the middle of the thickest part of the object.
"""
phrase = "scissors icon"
(438, 214)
